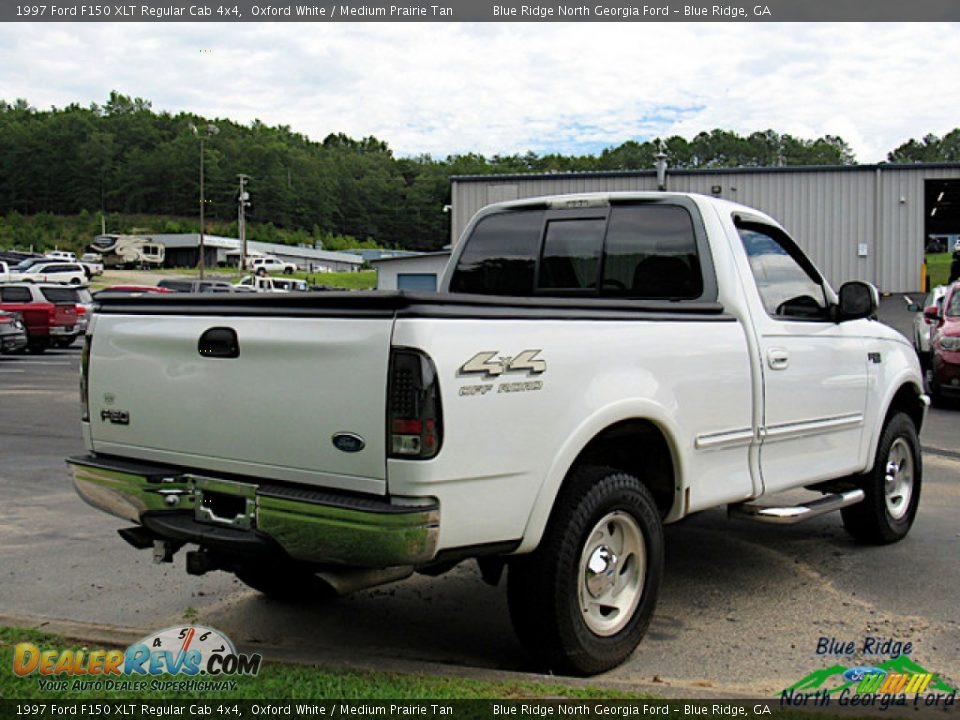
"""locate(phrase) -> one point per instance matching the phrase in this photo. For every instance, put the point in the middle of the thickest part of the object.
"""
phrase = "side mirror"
(857, 300)
(932, 315)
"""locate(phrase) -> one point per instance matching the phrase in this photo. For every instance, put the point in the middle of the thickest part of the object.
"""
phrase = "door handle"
(778, 359)
(219, 342)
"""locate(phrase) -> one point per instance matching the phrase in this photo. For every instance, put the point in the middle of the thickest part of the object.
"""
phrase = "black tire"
(36, 347)
(65, 343)
(285, 582)
(288, 271)
(880, 518)
(937, 398)
(547, 589)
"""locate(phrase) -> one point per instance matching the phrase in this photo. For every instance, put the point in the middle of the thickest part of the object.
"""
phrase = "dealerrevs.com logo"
(187, 653)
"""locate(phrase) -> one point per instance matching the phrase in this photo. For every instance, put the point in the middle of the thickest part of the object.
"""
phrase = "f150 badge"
(490, 365)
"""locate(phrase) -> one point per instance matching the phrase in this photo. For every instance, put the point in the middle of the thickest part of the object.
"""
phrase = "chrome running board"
(796, 513)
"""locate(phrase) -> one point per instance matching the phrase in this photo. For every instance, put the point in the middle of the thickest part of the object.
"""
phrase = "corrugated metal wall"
(830, 212)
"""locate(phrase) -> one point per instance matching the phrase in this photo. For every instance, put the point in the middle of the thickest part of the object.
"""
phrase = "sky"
(445, 88)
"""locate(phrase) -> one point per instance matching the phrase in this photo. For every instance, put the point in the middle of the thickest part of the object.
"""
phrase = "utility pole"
(202, 259)
(209, 131)
(243, 199)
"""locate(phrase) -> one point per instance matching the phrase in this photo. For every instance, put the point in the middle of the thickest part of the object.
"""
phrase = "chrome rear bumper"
(307, 524)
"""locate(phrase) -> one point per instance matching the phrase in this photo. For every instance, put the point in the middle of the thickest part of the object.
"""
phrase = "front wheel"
(891, 488)
(583, 600)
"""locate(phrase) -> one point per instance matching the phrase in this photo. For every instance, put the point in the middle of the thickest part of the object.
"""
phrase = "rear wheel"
(285, 582)
(891, 488)
(582, 601)
(36, 346)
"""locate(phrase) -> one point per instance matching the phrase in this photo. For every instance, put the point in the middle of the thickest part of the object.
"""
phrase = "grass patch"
(363, 280)
(938, 268)
(282, 681)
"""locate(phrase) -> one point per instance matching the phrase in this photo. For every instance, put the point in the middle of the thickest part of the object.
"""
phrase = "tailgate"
(65, 315)
(270, 412)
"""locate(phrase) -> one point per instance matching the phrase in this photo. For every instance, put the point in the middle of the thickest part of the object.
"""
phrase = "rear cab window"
(652, 250)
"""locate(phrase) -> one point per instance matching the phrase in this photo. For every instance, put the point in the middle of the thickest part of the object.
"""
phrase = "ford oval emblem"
(348, 442)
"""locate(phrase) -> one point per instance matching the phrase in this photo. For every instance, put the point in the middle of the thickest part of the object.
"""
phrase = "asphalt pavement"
(742, 609)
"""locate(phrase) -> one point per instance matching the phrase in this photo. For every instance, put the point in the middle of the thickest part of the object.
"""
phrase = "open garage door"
(942, 229)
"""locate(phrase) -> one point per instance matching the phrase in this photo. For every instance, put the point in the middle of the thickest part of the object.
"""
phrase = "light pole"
(244, 203)
(209, 131)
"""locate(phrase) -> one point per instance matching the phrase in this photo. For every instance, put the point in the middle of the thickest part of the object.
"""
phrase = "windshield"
(953, 308)
(29, 262)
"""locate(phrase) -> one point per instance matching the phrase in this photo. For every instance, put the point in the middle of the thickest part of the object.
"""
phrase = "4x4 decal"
(483, 363)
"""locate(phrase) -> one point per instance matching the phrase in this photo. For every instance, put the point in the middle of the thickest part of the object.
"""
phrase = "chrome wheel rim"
(898, 479)
(612, 570)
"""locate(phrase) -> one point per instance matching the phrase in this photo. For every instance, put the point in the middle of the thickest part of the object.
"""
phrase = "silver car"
(921, 326)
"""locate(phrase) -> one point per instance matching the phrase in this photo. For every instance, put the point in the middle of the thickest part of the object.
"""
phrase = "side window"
(571, 254)
(651, 253)
(788, 290)
(15, 294)
(501, 255)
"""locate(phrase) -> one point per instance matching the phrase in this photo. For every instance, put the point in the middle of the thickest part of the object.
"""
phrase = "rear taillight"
(85, 378)
(81, 310)
(414, 417)
(6, 319)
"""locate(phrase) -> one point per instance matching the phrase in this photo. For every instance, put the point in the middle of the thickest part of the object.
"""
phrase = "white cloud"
(502, 88)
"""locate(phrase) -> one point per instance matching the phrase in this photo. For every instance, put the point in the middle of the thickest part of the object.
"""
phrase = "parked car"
(93, 262)
(195, 286)
(922, 325)
(48, 321)
(63, 255)
(259, 283)
(945, 347)
(83, 302)
(129, 290)
(595, 366)
(13, 334)
(54, 271)
(4, 272)
(270, 264)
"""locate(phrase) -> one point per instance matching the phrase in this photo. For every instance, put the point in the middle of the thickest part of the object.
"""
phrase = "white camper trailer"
(128, 251)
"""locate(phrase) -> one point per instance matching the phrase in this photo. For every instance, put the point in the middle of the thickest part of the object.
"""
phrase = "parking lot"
(742, 604)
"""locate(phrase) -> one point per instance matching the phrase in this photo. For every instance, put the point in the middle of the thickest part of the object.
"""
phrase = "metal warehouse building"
(859, 222)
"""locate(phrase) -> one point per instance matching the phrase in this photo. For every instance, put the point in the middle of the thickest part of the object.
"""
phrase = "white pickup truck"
(595, 366)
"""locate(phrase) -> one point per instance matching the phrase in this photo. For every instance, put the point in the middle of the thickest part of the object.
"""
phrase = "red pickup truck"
(46, 319)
